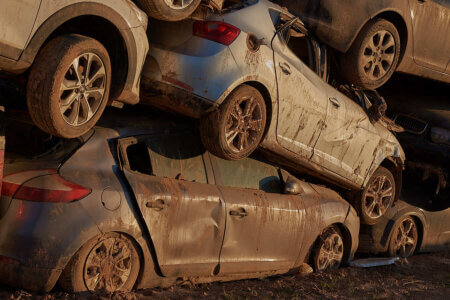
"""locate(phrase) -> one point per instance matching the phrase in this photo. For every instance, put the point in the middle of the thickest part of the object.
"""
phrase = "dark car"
(375, 38)
(143, 205)
(412, 225)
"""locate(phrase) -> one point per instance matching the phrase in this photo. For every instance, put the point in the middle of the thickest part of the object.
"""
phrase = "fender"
(67, 13)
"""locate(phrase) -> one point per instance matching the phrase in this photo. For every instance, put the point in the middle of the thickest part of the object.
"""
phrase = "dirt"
(425, 276)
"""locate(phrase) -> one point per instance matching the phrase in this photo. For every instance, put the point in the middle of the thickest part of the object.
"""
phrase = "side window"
(179, 157)
(250, 173)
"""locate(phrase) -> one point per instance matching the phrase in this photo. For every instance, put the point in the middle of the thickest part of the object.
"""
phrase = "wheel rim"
(82, 89)
(378, 55)
(378, 196)
(108, 265)
(244, 125)
(405, 238)
(331, 252)
(178, 4)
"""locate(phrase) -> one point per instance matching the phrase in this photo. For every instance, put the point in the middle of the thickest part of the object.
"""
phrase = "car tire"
(94, 268)
(328, 251)
(54, 86)
(373, 56)
(404, 238)
(236, 128)
(162, 10)
(377, 196)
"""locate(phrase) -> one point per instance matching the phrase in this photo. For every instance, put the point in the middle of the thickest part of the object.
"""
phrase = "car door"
(263, 227)
(302, 99)
(431, 33)
(182, 208)
(348, 141)
(17, 18)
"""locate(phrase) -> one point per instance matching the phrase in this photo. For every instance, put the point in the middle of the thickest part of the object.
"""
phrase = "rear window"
(27, 143)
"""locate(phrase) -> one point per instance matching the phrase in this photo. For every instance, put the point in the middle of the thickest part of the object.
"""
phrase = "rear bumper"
(31, 278)
(37, 240)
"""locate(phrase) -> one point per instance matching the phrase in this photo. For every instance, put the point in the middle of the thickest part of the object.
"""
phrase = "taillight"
(220, 32)
(43, 186)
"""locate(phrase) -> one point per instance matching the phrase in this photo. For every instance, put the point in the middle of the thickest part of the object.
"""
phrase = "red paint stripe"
(178, 83)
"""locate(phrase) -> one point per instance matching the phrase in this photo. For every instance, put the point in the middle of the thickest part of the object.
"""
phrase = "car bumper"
(37, 240)
(202, 75)
(352, 223)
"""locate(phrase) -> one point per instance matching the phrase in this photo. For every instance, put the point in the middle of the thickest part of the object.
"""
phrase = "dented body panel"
(183, 228)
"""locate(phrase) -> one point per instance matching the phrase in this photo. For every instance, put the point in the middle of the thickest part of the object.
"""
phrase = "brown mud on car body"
(141, 204)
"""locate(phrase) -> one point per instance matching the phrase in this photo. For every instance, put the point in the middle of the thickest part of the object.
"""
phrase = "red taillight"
(220, 32)
(47, 186)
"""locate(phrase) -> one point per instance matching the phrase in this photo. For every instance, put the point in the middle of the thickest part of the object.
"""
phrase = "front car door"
(17, 18)
(348, 142)
(302, 99)
(263, 227)
(431, 33)
(181, 206)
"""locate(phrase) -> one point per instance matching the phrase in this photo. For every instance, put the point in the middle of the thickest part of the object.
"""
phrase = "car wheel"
(168, 10)
(68, 86)
(373, 56)
(404, 238)
(329, 250)
(236, 128)
(377, 197)
(104, 264)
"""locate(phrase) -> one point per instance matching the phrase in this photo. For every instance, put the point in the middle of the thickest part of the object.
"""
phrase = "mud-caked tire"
(373, 202)
(104, 264)
(373, 56)
(62, 101)
(236, 128)
(328, 251)
(404, 238)
(168, 10)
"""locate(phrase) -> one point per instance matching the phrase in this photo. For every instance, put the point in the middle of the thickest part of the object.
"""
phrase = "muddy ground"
(424, 276)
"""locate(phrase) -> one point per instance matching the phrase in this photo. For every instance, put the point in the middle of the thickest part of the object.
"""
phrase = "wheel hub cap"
(378, 55)
(378, 196)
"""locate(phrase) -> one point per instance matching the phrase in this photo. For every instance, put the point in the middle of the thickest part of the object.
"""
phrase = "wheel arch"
(267, 99)
(396, 168)
(92, 20)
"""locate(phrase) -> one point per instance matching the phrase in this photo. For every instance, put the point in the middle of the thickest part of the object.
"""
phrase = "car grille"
(411, 124)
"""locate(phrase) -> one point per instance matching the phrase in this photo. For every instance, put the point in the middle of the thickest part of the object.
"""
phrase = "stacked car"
(211, 197)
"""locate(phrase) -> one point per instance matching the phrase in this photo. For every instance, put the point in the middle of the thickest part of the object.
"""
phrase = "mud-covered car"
(76, 56)
(141, 204)
(375, 38)
(413, 225)
(264, 84)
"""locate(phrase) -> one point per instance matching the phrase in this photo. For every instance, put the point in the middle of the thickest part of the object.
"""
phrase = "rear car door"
(302, 99)
(182, 208)
(431, 33)
(17, 18)
(263, 227)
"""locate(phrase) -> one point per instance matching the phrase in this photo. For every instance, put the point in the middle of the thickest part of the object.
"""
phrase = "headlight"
(440, 135)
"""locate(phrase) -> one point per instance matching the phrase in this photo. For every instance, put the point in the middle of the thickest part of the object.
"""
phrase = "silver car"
(76, 56)
(254, 77)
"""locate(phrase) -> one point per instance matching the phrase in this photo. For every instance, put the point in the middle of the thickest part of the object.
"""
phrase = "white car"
(254, 77)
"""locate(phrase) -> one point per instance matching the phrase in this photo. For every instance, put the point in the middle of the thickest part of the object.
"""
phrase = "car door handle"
(239, 213)
(285, 68)
(158, 204)
(335, 102)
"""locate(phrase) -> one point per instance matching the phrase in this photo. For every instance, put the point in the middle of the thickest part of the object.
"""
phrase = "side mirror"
(292, 186)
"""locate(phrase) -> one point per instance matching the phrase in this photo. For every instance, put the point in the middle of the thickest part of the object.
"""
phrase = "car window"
(179, 157)
(250, 173)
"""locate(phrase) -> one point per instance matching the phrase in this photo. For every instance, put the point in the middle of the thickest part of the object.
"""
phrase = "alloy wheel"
(178, 4)
(405, 238)
(244, 124)
(108, 265)
(378, 55)
(331, 252)
(378, 197)
(82, 89)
